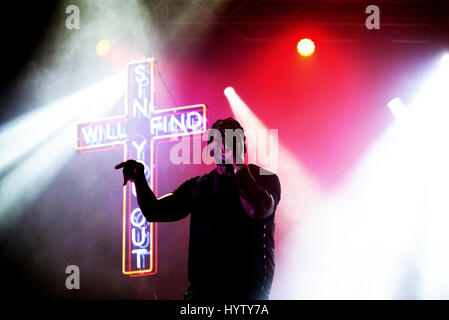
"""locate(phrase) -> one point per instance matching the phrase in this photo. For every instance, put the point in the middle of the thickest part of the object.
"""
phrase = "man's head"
(227, 141)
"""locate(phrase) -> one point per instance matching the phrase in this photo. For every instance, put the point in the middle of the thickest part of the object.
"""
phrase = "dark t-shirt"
(230, 253)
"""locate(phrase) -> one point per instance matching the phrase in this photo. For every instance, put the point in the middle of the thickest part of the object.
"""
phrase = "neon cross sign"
(139, 243)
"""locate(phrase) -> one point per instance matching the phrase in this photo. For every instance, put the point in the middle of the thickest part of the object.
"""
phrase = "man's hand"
(132, 170)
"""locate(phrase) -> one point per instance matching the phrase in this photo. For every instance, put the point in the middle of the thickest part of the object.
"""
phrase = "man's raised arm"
(256, 200)
(165, 209)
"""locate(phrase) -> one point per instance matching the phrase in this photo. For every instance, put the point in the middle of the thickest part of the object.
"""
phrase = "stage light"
(37, 145)
(397, 107)
(383, 233)
(229, 91)
(264, 148)
(295, 180)
(445, 60)
(306, 47)
(103, 47)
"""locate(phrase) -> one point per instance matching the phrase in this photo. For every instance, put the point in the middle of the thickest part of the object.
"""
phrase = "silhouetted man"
(231, 247)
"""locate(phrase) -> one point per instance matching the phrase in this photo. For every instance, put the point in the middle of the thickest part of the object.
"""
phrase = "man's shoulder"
(257, 170)
(200, 178)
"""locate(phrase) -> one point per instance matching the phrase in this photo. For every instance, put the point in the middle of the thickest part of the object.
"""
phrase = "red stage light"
(306, 47)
